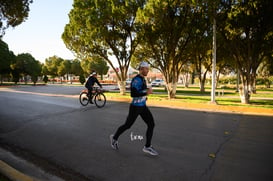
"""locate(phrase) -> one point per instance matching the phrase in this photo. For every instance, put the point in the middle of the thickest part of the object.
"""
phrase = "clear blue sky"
(40, 35)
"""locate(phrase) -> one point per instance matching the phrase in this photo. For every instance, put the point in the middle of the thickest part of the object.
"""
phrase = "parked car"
(128, 82)
(157, 83)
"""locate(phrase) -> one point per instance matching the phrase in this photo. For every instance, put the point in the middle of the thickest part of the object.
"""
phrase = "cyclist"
(92, 79)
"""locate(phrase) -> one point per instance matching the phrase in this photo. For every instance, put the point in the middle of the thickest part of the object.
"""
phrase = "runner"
(139, 92)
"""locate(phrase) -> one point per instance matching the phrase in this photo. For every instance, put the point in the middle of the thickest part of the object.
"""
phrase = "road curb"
(14, 174)
(201, 106)
(213, 107)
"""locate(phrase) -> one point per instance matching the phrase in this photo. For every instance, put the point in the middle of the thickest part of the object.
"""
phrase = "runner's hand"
(149, 91)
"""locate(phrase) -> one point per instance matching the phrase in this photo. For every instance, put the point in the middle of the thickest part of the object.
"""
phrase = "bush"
(261, 81)
(228, 80)
(82, 79)
(34, 79)
(45, 79)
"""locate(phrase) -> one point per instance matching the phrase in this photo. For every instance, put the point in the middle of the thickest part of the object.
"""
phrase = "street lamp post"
(213, 86)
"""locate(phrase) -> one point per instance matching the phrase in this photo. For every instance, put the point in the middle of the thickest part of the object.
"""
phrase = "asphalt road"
(71, 141)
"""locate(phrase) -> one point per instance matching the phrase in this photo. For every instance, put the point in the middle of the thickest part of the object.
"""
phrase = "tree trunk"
(192, 77)
(267, 83)
(122, 87)
(186, 85)
(253, 84)
(185, 79)
(202, 85)
(245, 91)
(244, 94)
(202, 82)
(25, 79)
(171, 88)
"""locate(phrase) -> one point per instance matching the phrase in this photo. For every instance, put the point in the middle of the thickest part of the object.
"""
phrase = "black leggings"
(90, 91)
(145, 114)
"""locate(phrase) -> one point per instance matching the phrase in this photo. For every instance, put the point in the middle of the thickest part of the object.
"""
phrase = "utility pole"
(213, 85)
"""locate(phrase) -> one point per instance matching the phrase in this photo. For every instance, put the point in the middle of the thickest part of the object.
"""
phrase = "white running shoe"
(150, 150)
(114, 143)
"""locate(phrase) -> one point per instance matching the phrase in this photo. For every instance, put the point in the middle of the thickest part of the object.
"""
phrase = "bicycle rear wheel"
(84, 100)
(100, 100)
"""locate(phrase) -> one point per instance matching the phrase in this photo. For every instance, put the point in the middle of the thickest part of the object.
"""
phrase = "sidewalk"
(18, 169)
(14, 174)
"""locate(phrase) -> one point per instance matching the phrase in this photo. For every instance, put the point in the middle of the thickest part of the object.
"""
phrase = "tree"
(202, 63)
(76, 68)
(15, 74)
(6, 58)
(94, 63)
(248, 30)
(26, 65)
(106, 29)
(13, 13)
(86, 66)
(36, 71)
(166, 33)
(201, 45)
(45, 78)
(186, 73)
(82, 79)
(225, 62)
(64, 68)
(44, 70)
(265, 70)
(51, 66)
(99, 65)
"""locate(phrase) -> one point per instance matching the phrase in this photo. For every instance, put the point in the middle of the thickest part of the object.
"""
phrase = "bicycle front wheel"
(84, 98)
(100, 100)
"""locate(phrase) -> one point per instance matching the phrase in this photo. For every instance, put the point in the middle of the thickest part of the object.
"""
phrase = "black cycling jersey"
(91, 81)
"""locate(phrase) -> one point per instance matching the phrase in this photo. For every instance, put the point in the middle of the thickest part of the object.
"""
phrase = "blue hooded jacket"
(139, 91)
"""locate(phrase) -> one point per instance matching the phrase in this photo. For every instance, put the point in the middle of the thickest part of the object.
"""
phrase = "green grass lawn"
(263, 98)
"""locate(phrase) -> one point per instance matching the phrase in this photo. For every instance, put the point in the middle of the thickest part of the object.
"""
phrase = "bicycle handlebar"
(98, 89)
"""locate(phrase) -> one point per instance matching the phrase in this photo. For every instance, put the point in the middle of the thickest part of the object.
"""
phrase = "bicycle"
(97, 95)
